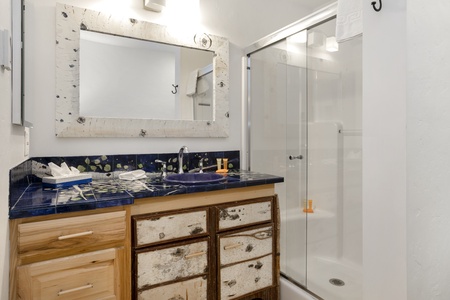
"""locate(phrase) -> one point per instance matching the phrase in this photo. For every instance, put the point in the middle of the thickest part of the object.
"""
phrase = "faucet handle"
(164, 167)
(200, 165)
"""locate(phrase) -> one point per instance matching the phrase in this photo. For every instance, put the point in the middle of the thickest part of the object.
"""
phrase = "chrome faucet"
(200, 165)
(163, 167)
(183, 150)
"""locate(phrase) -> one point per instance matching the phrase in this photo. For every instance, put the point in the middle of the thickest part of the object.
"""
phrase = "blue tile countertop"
(35, 200)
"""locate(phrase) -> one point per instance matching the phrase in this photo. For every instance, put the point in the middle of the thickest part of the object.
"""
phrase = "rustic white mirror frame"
(69, 123)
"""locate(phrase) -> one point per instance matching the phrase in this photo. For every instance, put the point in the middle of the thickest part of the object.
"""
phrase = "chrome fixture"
(163, 168)
(291, 157)
(181, 153)
(200, 165)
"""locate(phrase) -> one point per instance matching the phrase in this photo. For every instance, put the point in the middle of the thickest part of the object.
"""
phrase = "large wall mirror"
(121, 77)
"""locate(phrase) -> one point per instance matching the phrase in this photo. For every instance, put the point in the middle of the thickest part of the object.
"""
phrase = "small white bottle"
(219, 164)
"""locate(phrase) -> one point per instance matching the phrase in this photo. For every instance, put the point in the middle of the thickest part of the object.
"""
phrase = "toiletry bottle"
(225, 163)
(219, 164)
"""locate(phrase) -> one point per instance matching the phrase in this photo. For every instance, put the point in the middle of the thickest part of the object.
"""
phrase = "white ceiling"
(245, 21)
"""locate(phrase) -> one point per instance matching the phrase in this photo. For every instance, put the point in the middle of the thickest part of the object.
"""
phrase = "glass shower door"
(278, 139)
(334, 234)
(296, 158)
(305, 113)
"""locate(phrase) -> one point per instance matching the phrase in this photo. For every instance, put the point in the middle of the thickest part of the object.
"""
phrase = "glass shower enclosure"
(305, 107)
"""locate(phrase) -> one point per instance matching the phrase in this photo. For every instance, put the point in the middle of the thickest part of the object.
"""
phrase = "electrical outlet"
(26, 134)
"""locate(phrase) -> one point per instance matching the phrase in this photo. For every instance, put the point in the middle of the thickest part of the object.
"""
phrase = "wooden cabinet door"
(246, 277)
(170, 263)
(43, 240)
(193, 289)
(159, 228)
(245, 245)
(95, 275)
(238, 215)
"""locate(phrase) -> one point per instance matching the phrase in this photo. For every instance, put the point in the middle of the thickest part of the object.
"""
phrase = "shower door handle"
(295, 157)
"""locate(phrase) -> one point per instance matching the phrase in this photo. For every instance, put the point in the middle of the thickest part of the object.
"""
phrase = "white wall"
(40, 91)
(11, 154)
(384, 151)
(428, 149)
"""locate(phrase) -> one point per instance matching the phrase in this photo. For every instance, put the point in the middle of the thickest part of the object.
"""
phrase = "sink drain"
(337, 282)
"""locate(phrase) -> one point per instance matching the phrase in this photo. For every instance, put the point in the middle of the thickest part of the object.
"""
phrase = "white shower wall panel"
(324, 189)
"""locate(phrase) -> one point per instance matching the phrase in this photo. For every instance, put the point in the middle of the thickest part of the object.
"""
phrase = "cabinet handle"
(70, 236)
(84, 287)
(232, 246)
(194, 254)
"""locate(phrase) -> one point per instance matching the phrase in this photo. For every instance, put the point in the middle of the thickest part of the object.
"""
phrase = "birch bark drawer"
(246, 277)
(43, 240)
(156, 228)
(85, 276)
(159, 265)
(189, 289)
(244, 214)
(245, 245)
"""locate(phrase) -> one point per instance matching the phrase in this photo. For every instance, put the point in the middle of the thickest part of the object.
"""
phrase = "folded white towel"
(348, 20)
(133, 175)
(191, 87)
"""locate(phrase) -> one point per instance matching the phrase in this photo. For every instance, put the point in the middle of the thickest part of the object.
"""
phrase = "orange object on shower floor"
(310, 209)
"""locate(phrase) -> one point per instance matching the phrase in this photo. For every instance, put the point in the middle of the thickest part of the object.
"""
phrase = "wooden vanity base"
(211, 246)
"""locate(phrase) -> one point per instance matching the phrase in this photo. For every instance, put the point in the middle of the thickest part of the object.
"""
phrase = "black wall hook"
(176, 88)
(374, 7)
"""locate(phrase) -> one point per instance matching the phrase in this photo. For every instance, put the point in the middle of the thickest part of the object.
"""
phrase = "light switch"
(26, 151)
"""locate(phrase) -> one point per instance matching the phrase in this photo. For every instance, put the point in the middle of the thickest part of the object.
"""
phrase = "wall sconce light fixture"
(154, 5)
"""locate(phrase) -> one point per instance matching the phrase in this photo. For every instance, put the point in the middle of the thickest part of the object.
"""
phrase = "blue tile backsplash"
(29, 198)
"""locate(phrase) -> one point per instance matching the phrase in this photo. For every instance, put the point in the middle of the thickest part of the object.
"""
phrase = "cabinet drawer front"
(245, 245)
(152, 229)
(239, 215)
(183, 290)
(246, 277)
(162, 265)
(86, 276)
(66, 236)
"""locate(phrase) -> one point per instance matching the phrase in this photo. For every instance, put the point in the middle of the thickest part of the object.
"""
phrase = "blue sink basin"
(194, 178)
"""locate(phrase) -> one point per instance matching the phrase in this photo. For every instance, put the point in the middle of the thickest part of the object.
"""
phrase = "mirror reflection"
(122, 77)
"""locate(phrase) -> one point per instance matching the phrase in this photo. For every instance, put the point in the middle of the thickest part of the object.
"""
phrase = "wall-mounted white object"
(154, 5)
(316, 39)
(5, 50)
(20, 113)
(331, 44)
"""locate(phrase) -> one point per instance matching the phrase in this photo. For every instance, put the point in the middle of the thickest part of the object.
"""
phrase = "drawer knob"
(194, 254)
(71, 236)
(232, 246)
(84, 287)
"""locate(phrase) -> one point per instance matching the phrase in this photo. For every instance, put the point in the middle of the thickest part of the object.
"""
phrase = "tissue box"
(66, 181)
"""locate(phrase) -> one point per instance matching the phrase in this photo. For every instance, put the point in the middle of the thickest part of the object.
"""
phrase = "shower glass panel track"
(304, 112)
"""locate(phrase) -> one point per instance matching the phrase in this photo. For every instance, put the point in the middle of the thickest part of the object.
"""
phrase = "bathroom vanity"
(209, 244)
(217, 245)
